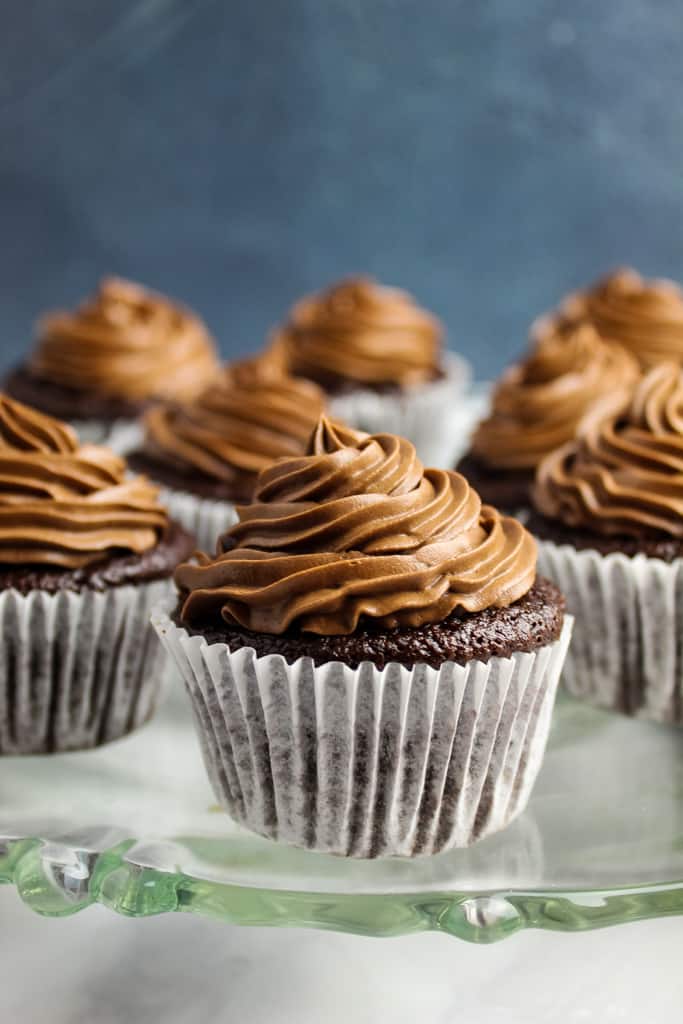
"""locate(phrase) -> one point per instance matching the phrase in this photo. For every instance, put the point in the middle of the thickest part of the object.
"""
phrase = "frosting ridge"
(64, 504)
(624, 474)
(360, 332)
(127, 342)
(540, 402)
(358, 528)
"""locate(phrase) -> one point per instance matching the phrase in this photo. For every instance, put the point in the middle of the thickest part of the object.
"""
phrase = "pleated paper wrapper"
(205, 518)
(430, 415)
(77, 669)
(122, 436)
(627, 650)
(363, 762)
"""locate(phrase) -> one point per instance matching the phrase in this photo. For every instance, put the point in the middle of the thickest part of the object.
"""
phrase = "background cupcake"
(611, 535)
(207, 454)
(100, 366)
(379, 358)
(538, 405)
(371, 658)
(85, 551)
(646, 317)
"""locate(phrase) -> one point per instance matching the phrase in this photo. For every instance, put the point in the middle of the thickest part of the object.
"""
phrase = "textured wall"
(485, 154)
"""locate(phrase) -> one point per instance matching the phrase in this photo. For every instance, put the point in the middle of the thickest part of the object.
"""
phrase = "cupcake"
(206, 455)
(539, 404)
(646, 317)
(371, 658)
(379, 358)
(85, 551)
(610, 524)
(101, 366)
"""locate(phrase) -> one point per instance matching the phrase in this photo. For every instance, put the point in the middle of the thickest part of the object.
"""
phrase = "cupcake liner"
(205, 518)
(77, 669)
(122, 436)
(430, 416)
(368, 762)
(627, 650)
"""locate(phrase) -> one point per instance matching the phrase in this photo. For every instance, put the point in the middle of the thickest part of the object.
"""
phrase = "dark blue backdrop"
(487, 155)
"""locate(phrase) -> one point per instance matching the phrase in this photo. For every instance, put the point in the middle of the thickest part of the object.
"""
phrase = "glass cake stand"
(134, 826)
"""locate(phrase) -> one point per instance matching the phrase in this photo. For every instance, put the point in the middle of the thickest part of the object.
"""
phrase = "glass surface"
(135, 827)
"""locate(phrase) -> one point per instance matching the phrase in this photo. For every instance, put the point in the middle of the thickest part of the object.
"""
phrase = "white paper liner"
(429, 416)
(122, 436)
(77, 669)
(368, 762)
(204, 518)
(627, 650)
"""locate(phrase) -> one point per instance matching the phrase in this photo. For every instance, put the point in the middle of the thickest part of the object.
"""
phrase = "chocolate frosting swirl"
(241, 424)
(624, 474)
(646, 317)
(357, 528)
(361, 333)
(67, 505)
(540, 402)
(126, 342)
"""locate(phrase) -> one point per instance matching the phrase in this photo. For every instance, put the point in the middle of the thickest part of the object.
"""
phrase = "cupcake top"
(357, 529)
(126, 342)
(624, 474)
(361, 334)
(64, 504)
(539, 403)
(251, 416)
(646, 317)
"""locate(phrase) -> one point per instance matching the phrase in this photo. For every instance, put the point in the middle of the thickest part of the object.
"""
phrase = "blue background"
(486, 155)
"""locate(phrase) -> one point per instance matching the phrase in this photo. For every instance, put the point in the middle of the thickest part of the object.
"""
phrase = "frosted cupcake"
(646, 317)
(100, 366)
(206, 455)
(380, 359)
(371, 657)
(85, 551)
(611, 536)
(539, 404)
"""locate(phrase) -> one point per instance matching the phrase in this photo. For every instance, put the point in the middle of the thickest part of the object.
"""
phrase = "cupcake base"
(369, 762)
(507, 489)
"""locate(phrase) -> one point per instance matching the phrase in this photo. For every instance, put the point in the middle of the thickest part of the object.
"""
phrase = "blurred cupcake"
(539, 404)
(370, 655)
(379, 358)
(646, 317)
(207, 454)
(85, 551)
(611, 536)
(101, 366)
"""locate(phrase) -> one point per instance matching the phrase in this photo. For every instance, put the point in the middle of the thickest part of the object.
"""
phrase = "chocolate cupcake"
(371, 658)
(380, 359)
(610, 529)
(101, 366)
(539, 404)
(206, 455)
(646, 317)
(85, 551)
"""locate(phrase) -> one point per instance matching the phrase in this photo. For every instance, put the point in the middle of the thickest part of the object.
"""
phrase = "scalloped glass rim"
(601, 843)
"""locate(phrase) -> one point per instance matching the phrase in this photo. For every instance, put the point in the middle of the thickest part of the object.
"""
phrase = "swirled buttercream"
(126, 342)
(624, 474)
(357, 528)
(363, 334)
(63, 504)
(540, 402)
(646, 317)
(248, 418)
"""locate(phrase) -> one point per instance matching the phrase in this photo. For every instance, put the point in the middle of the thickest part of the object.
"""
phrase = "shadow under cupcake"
(85, 552)
(101, 366)
(371, 658)
(609, 520)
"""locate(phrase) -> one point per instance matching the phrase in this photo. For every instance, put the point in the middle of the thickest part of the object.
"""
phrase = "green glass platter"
(134, 826)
